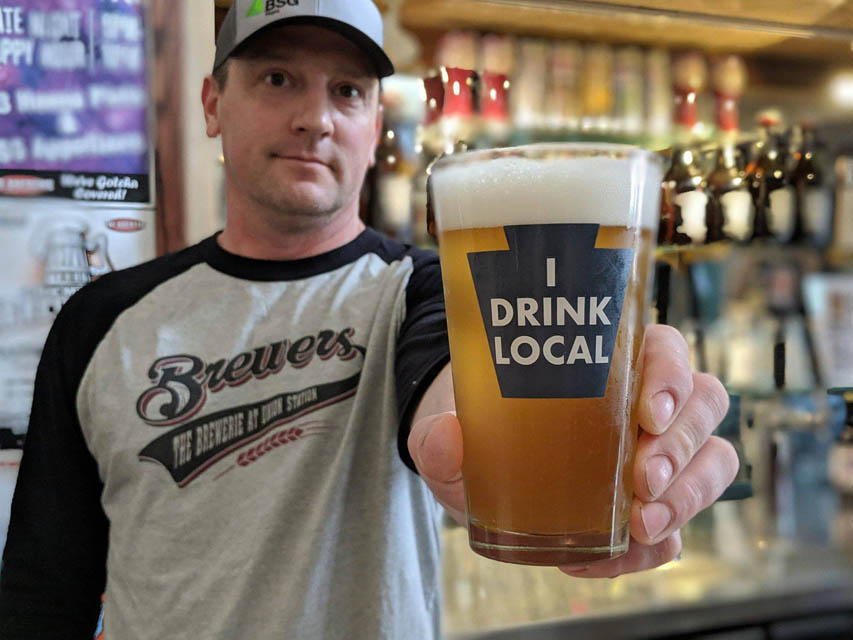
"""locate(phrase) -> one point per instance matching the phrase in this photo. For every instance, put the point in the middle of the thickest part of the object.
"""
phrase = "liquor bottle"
(729, 212)
(597, 90)
(684, 198)
(435, 136)
(629, 102)
(814, 202)
(527, 99)
(562, 103)
(496, 62)
(395, 174)
(728, 80)
(772, 195)
(658, 99)
(449, 122)
(842, 243)
(689, 77)
(457, 58)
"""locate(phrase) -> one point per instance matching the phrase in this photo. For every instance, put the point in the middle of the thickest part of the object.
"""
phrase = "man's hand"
(679, 469)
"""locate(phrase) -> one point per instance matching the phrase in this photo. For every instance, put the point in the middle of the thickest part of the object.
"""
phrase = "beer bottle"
(772, 194)
(730, 203)
(729, 213)
(395, 173)
(684, 198)
(814, 202)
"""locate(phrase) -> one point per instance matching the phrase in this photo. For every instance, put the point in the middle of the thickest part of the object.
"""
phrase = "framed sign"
(74, 101)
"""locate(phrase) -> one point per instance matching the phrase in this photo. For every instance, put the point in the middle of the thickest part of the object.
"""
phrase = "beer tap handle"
(97, 248)
(779, 361)
(661, 291)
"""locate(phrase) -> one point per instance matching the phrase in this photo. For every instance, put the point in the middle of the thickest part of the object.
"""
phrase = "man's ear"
(377, 134)
(210, 102)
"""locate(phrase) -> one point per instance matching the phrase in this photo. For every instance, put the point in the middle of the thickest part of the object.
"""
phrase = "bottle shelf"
(688, 254)
(820, 30)
(685, 255)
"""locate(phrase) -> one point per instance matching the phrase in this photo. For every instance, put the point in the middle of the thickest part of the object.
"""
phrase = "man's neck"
(254, 238)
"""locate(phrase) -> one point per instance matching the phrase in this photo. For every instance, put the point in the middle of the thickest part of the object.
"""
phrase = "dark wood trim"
(167, 23)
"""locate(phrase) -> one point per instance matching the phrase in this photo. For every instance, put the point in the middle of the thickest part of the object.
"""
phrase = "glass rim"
(546, 150)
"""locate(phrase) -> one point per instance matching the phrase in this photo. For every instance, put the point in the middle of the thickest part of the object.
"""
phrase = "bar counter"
(733, 580)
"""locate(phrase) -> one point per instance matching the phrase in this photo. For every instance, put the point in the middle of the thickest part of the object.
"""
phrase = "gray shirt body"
(244, 419)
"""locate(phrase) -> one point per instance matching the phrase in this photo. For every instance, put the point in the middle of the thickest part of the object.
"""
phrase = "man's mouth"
(304, 159)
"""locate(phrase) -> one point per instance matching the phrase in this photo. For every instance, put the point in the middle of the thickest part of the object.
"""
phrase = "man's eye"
(276, 79)
(349, 91)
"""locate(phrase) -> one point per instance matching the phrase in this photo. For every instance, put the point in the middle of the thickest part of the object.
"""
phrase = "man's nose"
(312, 113)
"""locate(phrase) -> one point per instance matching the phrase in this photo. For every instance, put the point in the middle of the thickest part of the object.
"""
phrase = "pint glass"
(546, 252)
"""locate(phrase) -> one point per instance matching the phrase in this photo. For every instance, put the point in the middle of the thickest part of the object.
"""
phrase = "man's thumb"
(435, 444)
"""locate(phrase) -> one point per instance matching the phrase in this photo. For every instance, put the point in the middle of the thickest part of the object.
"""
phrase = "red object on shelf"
(727, 113)
(434, 99)
(686, 108)
(458, 91)
(494, 98)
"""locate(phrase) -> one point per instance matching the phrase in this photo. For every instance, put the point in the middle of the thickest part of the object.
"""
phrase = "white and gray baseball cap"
(357, 20)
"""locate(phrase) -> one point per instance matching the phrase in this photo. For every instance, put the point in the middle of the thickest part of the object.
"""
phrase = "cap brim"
(380, 60)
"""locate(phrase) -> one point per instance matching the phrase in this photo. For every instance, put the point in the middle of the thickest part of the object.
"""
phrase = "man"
(215, 434)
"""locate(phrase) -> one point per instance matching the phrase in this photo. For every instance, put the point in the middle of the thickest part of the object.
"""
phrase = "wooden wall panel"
(168, 169)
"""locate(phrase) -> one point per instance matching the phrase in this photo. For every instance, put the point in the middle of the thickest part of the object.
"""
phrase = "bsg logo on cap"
(269, 6)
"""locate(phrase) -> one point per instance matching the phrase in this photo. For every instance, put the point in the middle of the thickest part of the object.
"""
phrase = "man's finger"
(667, 378)
(435, 444)
(638, 558)
(698, 486)
(661, 458)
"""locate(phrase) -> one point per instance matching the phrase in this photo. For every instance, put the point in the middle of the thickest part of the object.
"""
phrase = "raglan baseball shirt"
(220, 443)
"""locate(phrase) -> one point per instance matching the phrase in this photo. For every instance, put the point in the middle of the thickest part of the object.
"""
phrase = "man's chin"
(304, 206)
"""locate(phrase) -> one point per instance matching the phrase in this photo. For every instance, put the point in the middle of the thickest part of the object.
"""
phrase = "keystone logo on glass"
(551, 307)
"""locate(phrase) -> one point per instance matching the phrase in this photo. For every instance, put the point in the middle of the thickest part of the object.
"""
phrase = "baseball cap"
(357, 20)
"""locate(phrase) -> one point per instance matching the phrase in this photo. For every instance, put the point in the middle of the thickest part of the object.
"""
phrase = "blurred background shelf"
(819, 30)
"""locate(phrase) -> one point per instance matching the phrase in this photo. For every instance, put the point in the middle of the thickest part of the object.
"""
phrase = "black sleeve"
(422, 347)
(54, 563)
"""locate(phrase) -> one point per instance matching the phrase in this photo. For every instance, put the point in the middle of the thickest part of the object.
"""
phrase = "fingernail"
(656, 517)
(662, 407)
(658, 475)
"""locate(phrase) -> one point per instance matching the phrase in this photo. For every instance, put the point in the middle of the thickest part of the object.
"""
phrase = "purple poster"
(74, 100)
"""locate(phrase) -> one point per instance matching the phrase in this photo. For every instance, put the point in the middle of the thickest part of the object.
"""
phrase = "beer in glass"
(546, 252)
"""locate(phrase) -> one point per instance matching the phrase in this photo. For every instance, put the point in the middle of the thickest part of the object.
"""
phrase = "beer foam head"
(607, 184)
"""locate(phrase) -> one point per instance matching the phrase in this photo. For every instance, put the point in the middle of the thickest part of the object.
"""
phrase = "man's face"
(299, 124)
